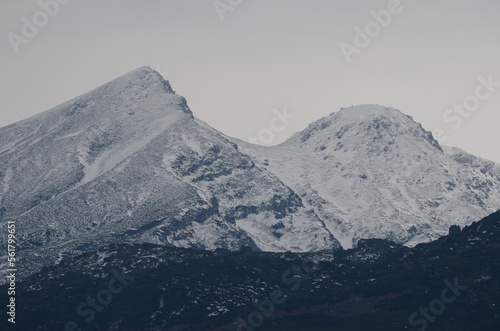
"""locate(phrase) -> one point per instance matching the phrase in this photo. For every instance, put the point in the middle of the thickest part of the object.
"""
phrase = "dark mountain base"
(376, 286)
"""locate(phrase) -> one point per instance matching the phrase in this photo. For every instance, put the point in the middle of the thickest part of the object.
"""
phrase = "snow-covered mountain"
(373, 172)
(128, 162)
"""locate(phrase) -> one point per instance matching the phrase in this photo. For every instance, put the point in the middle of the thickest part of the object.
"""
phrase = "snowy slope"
(373, 172)
(128, 162)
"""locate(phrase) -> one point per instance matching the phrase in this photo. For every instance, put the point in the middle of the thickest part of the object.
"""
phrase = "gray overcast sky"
(265, 55)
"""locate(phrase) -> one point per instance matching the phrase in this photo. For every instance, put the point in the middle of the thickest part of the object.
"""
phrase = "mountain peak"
(363, 123)
(145, 77)
(143, 90)
(368, 111)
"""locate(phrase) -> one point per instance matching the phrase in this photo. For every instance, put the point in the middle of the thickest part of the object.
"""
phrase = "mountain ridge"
(129, 163)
